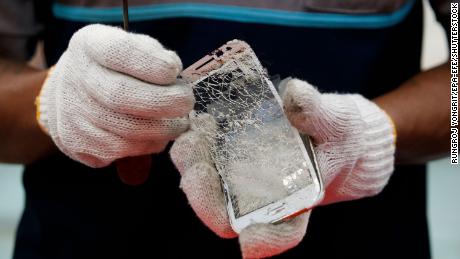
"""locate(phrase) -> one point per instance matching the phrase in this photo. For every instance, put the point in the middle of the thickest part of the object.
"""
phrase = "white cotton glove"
(201, 184)
(354, 138)
(113, 94)
(355, 152)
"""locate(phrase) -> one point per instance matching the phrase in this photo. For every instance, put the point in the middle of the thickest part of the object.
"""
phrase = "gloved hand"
(201, 184)
(355, 145)
(113, 94)
(354, 138)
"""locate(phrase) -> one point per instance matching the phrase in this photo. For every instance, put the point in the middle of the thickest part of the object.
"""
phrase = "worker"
(108, 94)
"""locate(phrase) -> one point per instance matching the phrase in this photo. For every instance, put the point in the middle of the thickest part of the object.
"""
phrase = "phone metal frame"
(290, 206)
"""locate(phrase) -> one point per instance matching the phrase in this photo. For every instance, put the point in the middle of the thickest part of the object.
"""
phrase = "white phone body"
(282, 208)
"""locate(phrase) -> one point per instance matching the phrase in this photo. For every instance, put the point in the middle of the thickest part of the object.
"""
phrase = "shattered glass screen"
(254, 148)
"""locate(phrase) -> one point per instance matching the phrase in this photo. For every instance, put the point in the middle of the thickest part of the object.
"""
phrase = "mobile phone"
(267, 170)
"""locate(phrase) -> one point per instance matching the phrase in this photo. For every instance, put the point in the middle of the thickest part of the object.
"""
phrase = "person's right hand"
(113, 94)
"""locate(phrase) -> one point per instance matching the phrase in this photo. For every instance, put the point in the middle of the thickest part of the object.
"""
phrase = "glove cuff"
(42, 102)
(372, 173)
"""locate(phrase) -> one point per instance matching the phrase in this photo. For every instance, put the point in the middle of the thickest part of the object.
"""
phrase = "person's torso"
(360, 46)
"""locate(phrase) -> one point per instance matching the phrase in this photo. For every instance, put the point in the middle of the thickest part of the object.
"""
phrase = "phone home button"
(276, 209)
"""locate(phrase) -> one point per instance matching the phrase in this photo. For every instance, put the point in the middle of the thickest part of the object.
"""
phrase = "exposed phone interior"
(268, 171)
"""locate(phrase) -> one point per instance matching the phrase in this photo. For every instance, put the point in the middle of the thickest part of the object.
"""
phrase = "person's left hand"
(355, 147)
(201, 184)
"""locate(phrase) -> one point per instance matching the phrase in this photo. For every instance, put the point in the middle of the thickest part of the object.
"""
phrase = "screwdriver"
(125, 15)
(132, 171)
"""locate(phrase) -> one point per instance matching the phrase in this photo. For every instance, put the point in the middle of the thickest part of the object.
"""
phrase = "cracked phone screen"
(255, 149)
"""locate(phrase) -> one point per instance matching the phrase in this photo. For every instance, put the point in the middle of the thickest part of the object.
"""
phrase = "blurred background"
(443, 179)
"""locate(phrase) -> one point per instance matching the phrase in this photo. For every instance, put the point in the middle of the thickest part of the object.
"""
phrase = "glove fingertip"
(302, 106)
(265, 240)
(136, 55)
(300, 96)
(203, 122)
(188, 149)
